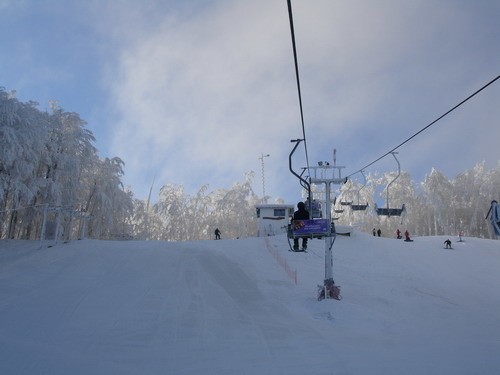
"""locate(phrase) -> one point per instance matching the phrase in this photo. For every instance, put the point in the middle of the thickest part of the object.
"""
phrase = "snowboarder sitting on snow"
(217, 234)
(300, 214)
(448, 244)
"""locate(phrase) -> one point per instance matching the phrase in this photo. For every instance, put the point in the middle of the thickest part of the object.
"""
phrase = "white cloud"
(200, 95)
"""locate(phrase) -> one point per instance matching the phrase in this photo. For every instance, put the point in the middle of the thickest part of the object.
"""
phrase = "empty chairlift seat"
(359, 207)
(386, 211)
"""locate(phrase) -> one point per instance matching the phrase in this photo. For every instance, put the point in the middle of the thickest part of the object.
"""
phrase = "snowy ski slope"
(233, 307)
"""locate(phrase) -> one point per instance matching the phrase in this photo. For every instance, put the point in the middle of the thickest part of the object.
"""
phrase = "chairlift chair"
(386, 211)
(314, 227)
(337, 210)
(360, 207)
(314, 208)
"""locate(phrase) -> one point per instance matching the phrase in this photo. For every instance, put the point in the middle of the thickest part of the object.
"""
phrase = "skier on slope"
(217, 234)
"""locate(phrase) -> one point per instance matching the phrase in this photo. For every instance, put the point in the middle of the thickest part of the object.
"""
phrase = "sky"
(249, 306)
(195, 92)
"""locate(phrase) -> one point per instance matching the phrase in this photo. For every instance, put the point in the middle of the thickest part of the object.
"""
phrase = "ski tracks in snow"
(94, 307)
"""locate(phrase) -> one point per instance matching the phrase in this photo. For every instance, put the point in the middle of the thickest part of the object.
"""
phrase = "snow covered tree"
(236, 210)
(172, 208)
(438, 191)
(473, 191)
(186, 217)
(49, 159)
(109, 205)
(22, 141)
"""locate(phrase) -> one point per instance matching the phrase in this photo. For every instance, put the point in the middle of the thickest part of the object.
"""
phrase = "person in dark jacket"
(300, 214)
(217, 234)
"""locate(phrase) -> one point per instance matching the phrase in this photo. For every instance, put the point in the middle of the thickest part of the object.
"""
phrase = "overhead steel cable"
(290, 16)
(426, 127)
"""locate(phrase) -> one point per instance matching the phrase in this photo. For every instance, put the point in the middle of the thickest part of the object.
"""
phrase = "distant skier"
(300, 214)
(398, 234)
(407, 236)
(217, 234)
(447, 244)
(374, 232)
(379, 232)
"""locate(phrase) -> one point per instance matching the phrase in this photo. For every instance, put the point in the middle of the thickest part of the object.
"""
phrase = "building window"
(279, 212)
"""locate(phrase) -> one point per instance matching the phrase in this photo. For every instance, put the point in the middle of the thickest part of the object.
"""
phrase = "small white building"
(273, 219)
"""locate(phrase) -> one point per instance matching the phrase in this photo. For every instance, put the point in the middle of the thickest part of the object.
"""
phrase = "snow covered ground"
(233, 307)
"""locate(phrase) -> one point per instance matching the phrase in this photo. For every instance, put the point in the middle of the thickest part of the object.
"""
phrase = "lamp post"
(262, 156)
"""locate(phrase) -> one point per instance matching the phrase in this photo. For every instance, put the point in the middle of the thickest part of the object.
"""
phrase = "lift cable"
(426, 127)
(298, 80)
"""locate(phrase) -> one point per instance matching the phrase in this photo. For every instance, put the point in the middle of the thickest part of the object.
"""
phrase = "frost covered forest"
(54, 183)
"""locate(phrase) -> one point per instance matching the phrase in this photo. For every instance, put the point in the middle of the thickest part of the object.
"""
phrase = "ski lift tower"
(325, 174)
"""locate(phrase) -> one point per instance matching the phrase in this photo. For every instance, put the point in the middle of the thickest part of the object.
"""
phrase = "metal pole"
(262, 156)
(390, 183)
(328, 249)
(58, 225)
(364, 184)
(44, 221)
